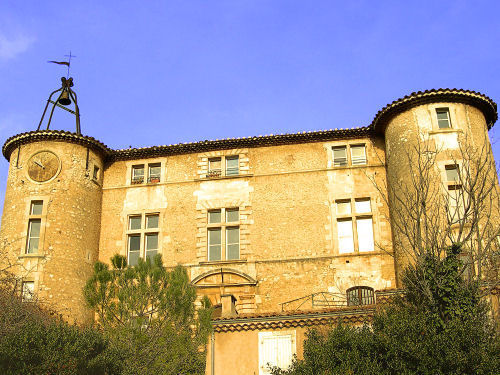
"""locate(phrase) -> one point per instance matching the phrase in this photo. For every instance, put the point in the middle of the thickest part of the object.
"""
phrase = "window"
(354, 226)
(36, 208)
(142, 237)
(357, 155)
(214, 167)
(276, 349)
(28, 291)
(340, 156)
(154, 173)
(456, 195)
(231, 164)
(443, 118)
(138, 174)
(95, 174)
(360, 295)
(452, 175)
(223, 232)
(34, 227)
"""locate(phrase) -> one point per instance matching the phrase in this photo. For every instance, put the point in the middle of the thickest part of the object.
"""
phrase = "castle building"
(281, 232)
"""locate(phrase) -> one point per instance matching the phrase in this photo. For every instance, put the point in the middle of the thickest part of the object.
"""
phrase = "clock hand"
(38, 163)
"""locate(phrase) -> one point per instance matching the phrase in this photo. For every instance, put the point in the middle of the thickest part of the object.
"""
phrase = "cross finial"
(69, 61)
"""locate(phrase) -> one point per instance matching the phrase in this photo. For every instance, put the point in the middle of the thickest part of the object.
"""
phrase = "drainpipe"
(212, 353)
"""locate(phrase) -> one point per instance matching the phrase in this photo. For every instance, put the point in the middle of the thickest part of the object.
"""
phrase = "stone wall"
(70, 225)
(288, 230)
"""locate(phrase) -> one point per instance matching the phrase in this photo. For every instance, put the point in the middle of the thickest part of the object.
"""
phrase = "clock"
(43, 166)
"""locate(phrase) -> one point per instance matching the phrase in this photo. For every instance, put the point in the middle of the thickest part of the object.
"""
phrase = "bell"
(64, 98)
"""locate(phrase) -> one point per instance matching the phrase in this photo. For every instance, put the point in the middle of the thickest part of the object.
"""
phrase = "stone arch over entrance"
(223, 281)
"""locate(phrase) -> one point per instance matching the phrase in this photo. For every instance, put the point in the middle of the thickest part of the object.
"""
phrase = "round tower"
(427, 135)
(52, 211)
(51, 217)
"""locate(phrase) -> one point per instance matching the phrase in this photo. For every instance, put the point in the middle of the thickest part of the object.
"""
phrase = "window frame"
(448, 115)
(143, 233)
(223, 170)
(365, 159)
(156, 177)
(360, 297)
(354, 217)
(95, 173)
(350, 161)
(37, 217)
(454, 194)
(147, 177)
(24, 291)
(223, 226)
(140, 179)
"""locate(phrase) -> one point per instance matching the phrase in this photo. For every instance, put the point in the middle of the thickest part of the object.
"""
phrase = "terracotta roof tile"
(483, 102)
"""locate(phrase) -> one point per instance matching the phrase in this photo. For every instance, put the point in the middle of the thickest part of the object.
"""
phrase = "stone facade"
(287, 189)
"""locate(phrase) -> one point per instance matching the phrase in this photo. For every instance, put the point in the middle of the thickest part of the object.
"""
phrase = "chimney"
(228, 305)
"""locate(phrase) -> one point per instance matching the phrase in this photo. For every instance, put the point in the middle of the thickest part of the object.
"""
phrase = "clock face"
(43, 166)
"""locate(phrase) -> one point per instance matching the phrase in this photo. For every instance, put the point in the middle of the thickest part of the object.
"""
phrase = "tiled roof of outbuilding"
(306, 318)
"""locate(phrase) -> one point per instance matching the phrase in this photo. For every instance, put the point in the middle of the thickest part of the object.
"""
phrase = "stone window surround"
(145, 163)
(202, 233)
(374, 214)
(43, 219)
(243, 163)
(223, 225)
(441, 165)
(143, 230)
(452, 110)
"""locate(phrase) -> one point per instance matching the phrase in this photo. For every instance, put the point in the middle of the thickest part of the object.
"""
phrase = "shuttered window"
(276, 349)
(340, 156)
(358, 155)
(349, 155)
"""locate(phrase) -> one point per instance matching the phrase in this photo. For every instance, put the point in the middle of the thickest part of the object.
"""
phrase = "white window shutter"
(276, 349)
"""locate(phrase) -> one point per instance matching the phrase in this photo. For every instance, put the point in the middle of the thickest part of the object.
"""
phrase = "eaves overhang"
(53, 135)
(261, 321)
(184, 148)
(474, 98)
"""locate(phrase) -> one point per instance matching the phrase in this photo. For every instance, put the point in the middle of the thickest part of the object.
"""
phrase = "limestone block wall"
(286, 197)
(70, 225)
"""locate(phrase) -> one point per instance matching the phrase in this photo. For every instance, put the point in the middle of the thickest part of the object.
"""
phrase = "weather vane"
(67, 63)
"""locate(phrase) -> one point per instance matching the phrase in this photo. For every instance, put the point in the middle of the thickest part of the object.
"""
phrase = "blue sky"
(161, 72)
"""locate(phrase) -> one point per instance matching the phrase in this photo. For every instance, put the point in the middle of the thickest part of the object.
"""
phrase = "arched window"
(360, 295)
